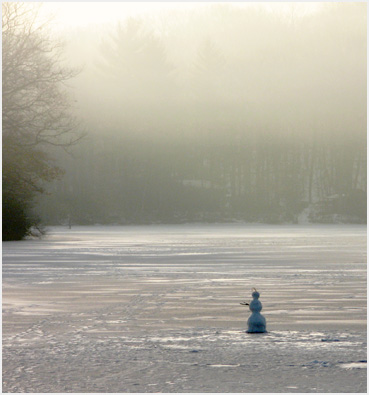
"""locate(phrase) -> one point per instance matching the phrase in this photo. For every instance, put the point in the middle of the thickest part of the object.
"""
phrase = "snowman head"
(255, 293)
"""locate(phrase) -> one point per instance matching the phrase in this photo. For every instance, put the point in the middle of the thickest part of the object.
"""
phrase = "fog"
(216, 112)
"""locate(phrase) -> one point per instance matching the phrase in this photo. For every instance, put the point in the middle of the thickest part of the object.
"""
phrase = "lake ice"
(157, 309)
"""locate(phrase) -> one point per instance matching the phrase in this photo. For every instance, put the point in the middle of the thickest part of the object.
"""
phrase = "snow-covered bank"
(156, 308)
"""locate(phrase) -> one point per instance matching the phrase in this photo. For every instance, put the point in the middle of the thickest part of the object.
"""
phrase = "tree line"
(256, 117)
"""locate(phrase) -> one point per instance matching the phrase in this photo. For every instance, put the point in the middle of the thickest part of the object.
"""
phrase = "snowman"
(256, 322)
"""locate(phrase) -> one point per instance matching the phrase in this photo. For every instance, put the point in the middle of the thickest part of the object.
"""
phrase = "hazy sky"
(85, 13)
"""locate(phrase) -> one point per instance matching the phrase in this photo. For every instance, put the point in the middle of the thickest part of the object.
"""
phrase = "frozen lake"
(156, 309)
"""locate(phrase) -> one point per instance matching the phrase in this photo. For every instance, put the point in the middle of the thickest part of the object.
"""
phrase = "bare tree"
(35, 113)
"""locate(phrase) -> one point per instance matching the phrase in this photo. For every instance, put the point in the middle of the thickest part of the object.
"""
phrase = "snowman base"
(256, 324)
(257, 331)
(260, 329)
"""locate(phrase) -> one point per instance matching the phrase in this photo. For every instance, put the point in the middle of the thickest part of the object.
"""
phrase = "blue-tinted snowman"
(256, 322)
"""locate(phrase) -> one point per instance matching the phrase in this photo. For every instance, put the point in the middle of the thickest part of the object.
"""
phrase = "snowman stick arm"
(245, 304)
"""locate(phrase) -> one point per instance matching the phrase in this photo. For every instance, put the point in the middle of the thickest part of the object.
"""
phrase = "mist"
(217, 113)
(166, 164)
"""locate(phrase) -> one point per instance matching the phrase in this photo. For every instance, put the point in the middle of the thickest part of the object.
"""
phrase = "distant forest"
(218, 114)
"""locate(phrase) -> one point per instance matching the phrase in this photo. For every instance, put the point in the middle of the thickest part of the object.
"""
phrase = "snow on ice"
(157, 309)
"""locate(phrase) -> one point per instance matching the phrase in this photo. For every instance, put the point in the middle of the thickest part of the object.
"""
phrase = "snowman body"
(256, 322)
